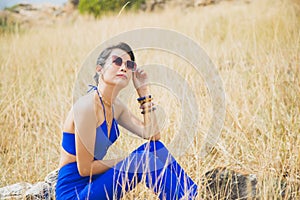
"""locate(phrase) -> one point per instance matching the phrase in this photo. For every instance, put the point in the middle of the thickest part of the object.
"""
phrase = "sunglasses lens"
(131, 65)
(118, 61)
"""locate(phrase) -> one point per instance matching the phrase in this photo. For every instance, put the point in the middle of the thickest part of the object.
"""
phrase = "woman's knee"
(155, 146)
(150, 146)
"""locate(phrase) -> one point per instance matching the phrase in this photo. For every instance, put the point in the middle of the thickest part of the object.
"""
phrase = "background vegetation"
(98, 8)
(256, 47)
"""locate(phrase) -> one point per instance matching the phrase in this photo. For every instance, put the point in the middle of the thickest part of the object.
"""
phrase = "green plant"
(100, 7)
(7, 25)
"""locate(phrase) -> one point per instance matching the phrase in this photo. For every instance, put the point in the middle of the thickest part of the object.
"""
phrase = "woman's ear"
(98, 68)
(99, 71)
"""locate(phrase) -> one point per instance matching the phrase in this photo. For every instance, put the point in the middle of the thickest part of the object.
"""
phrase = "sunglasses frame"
(119, 64)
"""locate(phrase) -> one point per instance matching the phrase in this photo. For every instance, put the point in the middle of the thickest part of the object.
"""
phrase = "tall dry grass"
(256, 47)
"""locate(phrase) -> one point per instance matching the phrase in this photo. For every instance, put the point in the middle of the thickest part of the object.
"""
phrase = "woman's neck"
(108, 92)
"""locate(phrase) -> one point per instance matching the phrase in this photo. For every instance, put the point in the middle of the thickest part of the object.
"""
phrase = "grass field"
(255, 46)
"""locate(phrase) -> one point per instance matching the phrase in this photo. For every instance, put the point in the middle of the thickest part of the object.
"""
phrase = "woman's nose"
(123, 67)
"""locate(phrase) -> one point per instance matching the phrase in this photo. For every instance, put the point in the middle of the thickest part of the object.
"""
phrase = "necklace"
(108, 122)
(106, 102)
(103, 99)
(110, 106)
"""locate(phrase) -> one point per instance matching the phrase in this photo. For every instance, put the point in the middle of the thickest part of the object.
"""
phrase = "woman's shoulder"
(84, 105)
(84, 112)
(82, 108)
(84, 101)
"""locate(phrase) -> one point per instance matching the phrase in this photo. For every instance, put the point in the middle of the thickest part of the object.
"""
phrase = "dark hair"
(106, 52)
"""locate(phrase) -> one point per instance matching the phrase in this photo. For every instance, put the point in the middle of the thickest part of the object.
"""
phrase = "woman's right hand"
(140, 82)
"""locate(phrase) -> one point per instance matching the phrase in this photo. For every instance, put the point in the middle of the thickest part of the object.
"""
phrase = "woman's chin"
(121, 83)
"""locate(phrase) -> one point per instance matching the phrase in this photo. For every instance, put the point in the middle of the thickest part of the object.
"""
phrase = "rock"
(43, 190)
(51, 179)
(152, 5)
(40, 190)
(205, 2)
(223, 183)
(28, 15)
(14, 191)
(74, 2)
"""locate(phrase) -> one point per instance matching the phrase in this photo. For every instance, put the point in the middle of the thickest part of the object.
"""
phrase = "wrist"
(143, 91)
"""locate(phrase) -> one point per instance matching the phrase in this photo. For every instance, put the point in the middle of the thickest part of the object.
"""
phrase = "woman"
(92, 126)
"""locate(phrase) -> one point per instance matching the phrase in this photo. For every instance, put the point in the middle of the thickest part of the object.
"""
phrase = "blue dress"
(163, 175)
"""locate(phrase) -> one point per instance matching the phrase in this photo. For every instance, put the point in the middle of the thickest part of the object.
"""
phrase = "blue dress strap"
(92, 87)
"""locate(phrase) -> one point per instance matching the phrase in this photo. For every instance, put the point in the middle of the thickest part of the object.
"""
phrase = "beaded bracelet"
(143, 106)
(144, 99)
(149, 110)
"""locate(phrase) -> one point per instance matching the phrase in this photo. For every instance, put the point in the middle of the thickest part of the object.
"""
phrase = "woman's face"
(112, 72)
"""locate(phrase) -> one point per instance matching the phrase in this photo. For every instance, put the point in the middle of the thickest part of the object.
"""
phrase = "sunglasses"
(119, 61)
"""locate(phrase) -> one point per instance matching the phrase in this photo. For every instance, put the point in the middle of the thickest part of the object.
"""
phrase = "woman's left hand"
(140, 82)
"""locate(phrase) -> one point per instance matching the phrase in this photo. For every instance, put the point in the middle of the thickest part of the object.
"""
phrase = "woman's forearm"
(151, 130)
(150, 125)
(100, 166)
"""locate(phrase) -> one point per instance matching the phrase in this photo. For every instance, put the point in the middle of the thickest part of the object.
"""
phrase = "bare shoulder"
(82, 108)
(85, 102)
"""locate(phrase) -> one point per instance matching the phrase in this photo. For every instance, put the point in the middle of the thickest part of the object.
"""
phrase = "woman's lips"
(122, 76)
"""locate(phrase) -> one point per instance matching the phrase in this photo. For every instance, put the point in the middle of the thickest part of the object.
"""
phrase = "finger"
(140, 71)
(144, 75)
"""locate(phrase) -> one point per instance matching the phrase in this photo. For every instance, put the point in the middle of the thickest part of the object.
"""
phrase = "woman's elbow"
(84, 170)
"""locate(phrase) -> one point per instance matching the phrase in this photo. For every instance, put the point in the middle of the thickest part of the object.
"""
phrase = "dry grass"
(255, 46)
